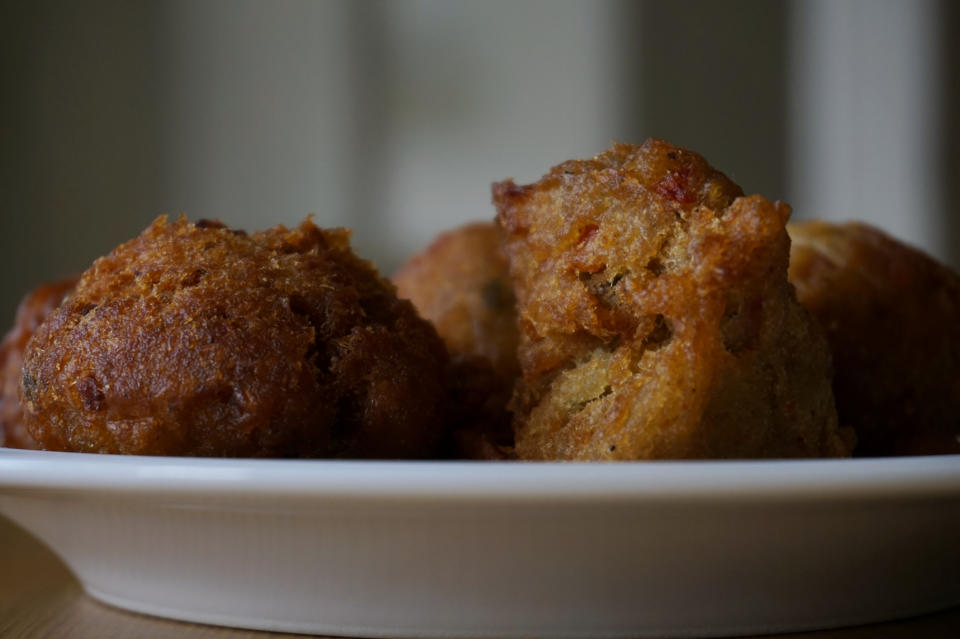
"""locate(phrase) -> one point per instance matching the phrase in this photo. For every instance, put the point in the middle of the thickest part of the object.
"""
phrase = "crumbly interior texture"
(193, 339)
(656, 318)
(461, 284)
(891, 315)
(33, 311)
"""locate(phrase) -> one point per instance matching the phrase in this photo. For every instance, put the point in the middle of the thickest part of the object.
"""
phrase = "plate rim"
(834, 479)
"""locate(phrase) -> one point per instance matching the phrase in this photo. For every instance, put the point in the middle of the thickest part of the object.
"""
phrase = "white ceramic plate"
(479, 549)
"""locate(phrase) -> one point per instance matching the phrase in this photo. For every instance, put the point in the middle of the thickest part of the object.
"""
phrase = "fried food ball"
(656, 318)
(33, 310)
(193, 339)
(461, 283)
(891, 315)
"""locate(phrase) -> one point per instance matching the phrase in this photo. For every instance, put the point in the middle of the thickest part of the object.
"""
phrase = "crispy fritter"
(656, 318)
(461, 283)
(193, 339)
(891, 315)
(33, 310)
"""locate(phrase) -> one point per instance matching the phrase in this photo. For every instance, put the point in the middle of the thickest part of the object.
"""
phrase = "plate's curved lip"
(878, 478)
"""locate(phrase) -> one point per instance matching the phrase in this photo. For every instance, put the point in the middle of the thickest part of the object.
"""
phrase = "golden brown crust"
(33, 310)
(891, 315)
(656, 319)
(461, 283)
(193, 339)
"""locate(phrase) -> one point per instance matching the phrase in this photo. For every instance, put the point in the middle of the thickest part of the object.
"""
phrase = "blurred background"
(393, 118)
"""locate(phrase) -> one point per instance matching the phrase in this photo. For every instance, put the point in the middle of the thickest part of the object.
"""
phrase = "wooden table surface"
(39, 598)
